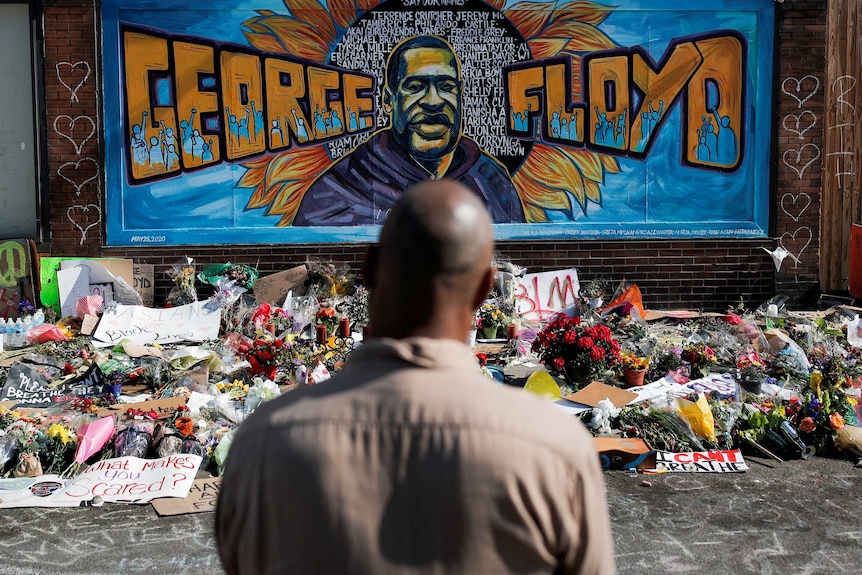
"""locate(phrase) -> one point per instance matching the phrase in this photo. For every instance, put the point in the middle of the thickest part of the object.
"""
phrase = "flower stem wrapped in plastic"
(183, 275)
(92, 437)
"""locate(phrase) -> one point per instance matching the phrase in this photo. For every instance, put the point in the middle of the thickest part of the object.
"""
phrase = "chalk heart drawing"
(797, 156)
(794, 201)
(802, 236)
(801, 123)
(78, 213)
(796, 87)
(73, 76)
(73, 129)
(74, 172)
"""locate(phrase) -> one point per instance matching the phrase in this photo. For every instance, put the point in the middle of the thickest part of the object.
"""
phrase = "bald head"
(435, 253)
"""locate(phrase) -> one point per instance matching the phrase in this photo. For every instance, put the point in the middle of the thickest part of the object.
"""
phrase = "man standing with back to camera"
(410, 461)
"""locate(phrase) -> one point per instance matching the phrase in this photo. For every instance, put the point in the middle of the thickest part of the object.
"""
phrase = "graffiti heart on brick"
(77, 130)
(78, 214)
(73, 76)
(80, 173)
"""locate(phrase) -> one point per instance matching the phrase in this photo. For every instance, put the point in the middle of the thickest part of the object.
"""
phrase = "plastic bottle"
(3, 331)
(18, 336)
(27, 324)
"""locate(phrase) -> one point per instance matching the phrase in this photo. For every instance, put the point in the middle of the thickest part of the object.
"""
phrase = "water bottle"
(3, 332)
(27, 324)
(18, 335)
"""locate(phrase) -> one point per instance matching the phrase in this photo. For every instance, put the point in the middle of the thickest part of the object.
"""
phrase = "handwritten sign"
(73, 284)
(139, 324)
(118, 480)
(540, 296)
(28, 388)
(273, 288)
(202, 497)
(145, 282)
(720, 461)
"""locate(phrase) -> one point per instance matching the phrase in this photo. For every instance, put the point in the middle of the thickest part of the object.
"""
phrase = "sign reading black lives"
(30, 388)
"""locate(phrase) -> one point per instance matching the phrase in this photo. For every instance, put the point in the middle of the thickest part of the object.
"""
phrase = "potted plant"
(575, 350)
(634, 368)
(491, 320)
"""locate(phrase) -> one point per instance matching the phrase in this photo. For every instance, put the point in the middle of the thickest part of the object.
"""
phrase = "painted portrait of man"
(422, 96)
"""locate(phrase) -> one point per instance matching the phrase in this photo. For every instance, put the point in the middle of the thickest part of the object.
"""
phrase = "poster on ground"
(118, 480)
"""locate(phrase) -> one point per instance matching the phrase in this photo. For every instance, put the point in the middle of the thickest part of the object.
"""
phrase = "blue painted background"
(657, 197)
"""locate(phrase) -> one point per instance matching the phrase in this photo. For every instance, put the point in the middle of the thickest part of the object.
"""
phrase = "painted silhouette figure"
(233, 124)
(301, 132)
(319, 123)
(171, 157)
(242, 130)
(140, 151)
(156, 157)
(335, 121)
(702, 152)
(206, 154)
(196, 142)
(276, 131)
(352, 126)
(564, 129)
(726, 150)
(186, 132)
(258, 123)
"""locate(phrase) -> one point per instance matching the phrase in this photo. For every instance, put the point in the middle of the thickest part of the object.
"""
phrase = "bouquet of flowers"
(699, 356)
(566, 345)
(491, 319)
(329, 317)
(265, 355)
(241, 274)
(183, 275)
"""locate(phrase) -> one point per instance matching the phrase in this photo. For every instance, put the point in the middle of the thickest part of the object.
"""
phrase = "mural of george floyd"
(648, 141)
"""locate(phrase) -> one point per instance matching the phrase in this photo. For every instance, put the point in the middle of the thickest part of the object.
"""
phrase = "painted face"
(426, 104)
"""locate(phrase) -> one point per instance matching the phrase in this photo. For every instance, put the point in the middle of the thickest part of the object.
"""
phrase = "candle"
(511, 331)
(344, 327)
(321, 334)
(366, 332)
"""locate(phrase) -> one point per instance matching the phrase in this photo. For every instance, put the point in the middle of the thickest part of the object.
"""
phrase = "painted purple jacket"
(362, 187)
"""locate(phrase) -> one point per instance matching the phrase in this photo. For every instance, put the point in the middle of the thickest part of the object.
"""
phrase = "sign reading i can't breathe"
(719, 461)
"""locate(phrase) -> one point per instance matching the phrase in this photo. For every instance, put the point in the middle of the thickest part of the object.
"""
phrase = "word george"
(191, 104)
(706, 71)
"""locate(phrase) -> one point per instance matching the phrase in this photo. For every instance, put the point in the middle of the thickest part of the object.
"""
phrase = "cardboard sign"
(48, 268)
(624, 453)
(597, 391)
(16, 274)
(273, 288)
(145, 282)
(139, 324)
(118, 480)
(720, 461)
(202, 497)
(721, 383)
(165, 407)
(540, 296)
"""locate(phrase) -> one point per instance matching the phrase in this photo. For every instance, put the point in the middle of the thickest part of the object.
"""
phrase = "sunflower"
(551, 178)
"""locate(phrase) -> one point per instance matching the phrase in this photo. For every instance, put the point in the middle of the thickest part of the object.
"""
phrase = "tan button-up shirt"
(411, 461)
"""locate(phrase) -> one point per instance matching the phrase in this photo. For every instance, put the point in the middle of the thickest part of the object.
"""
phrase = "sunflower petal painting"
(304, 120)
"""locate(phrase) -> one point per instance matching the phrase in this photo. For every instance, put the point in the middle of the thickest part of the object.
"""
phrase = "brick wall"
(708, 274)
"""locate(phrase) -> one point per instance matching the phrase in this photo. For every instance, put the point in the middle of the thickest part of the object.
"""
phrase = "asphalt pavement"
(797, 517)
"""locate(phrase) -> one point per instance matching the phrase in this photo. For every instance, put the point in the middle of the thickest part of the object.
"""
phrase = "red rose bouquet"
(566, 346)
(265, 355)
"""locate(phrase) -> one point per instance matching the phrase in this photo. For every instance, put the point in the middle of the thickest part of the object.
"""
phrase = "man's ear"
(369, 267)
(484, 287)
(387, 100)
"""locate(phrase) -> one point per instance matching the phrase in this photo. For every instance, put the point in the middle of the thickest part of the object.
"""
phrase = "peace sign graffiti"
(13, 263)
